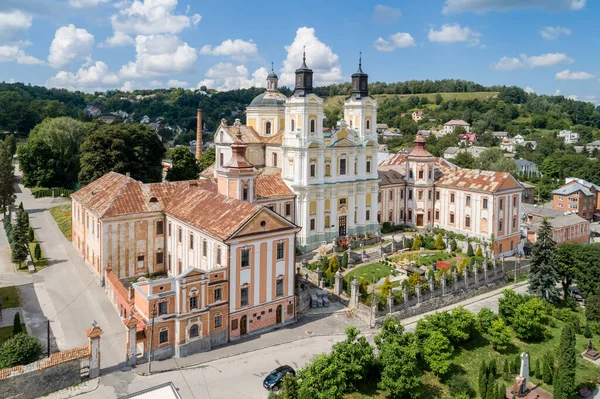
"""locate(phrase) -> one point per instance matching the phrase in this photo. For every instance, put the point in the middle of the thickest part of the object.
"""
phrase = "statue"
(521, 386)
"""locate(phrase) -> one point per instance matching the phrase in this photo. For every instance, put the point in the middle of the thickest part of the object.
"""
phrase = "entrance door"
(420, 220)
(342, 226)
(279, 314)
(244, 325)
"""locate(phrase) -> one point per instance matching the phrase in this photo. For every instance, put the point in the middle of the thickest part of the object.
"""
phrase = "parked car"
(275, 377)
(576, 294)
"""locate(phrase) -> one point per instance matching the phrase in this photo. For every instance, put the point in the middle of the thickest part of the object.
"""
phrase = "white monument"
(522, 380)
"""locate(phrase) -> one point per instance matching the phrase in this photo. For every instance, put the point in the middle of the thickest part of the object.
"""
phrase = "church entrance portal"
(342, 226)
(420, 220)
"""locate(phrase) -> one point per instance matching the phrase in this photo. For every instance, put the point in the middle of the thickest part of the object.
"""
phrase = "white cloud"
(568, 75)
(96, 77)
(451, 33)
(86, 3)
(158, 55)
(529, 90)
(117, 40)
(587, 98)
(557, 92)
(237, 49)
(13, 23)
(226, 76)
(397, 40)
(319, 57)
(525, 62)
(385, 15)
(149, 17)
(131, 85)
(554, 32)
(69, 43)
(177, 83)
(10, 53)
(483, 6)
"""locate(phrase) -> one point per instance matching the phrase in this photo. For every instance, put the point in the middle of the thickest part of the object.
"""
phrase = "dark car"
(275, 377)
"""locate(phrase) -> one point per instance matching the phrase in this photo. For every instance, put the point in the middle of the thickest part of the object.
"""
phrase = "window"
(391, 195)
(244, 297)
(293, 125)
(169, 260)
(429, 195)
(288, 209)
(368, 215)
(368, 166)
(420, 174)
(193, 302)
(313, 170)
(160, 228)
(420, 194)
(410, 194)
(245, 257)
(194, 331)
(342, 166)
(327, 170)
(452, 198)
(245, 194)
(159, 258)
(514, 222)
(312, 224)
(169, 229)
(500, 225)
(437, 195)
(218, 320)
(312, 125)
(204, 248)
(221, 159)
(342, 201)
(217, 295)
(179, 234)
(379, 197)
(268, 128)
(191, 240)
(485, 203)
(218, 255)
(429, 174)
(163, 337)
(234, 324)
(501, 206)
(467, 221)
(515, 201)
(162, 308)
(410, 174)
(378, 217)
(402, 194)
(468, 200)
(451, 218)
(368, 124)
(560, 198)
(279, 288)
(327, 222)
(410, 214)
(437, 215)
(274, 159)
(280, 249)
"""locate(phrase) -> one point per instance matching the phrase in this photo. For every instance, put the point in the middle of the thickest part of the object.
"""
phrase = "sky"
(544, 46)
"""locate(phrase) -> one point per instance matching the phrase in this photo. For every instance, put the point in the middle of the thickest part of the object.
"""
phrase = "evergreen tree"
(11, 144)
(564, 378)
(453, 245)
(470, 250)
(386, 287)
(30, 235)
(345, 260)
(417, 243)
(23, 216)
(439, 242)
(17, 328)
(19, 242)
(334, 264)
(547, 367)
(543, 272)
(37, 251)
(490, 392)
(479, 253)
(7, 176)
(501, 391)
(586, 331)
(483, 379)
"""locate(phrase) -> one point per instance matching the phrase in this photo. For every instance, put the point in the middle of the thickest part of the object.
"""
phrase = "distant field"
(339, 100)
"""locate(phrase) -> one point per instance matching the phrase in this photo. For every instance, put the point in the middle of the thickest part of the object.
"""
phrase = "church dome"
(269, 99)
(272, 75)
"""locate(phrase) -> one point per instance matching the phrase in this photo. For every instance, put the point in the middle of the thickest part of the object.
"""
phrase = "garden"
(22, 240)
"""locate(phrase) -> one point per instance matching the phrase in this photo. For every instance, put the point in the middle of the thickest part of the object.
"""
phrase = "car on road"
(275, 377)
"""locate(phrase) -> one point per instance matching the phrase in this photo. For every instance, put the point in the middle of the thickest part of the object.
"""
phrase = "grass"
(62, 217)
(339, 100)
(10, 297)
(7, 332)
(42, 261)
(379, 269)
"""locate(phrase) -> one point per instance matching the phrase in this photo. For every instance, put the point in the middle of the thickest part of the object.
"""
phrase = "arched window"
(368, 124)
(312, 125)
(391, 219)
(275, 159)
(268, 128)
(327, 170)
(293, 124)
(327, 222)
(194, 331)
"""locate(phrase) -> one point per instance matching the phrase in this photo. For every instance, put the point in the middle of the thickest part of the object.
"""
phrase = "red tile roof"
(271, 185)
(390, 177)
(480, 180)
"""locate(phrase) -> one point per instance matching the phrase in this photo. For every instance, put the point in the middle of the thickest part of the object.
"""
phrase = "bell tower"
(304, 79)
(360, 110)
(360, 82)
(272, 80)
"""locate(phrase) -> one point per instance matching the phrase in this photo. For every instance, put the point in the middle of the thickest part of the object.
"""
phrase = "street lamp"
(372, 298)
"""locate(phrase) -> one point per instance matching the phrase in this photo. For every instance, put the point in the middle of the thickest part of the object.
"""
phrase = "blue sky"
(543, 45)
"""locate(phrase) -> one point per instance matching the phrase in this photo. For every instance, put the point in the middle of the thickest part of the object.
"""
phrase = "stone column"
(418, 292)
(455, 277)
(466, 277)
(390, 302)
(405, 293)
(475, 273)
(339, 283)
(94, 334)
(319, 276)
(431, 287)
(354, 292)
(443, 280)
(485, 271)
(131, 325)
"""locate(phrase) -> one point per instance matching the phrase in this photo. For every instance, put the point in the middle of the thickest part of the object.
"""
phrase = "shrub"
(470, 250)
(417, 243)
(30, 235)
(386, 287)
(592, 307)
(17, 328)
(479, 253)
(37, 251)
(547, 371)
(586, 331)
(453, 245)
(562, 314)
(458, 384)
(499, 335)
(485, 318)
(18, 350)
(529, 320)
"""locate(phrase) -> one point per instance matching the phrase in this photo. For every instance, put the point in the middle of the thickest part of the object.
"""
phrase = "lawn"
(10, 297)
(38, 263)
(62, 216)
(434, 256)
(6, 332)
(379, 269)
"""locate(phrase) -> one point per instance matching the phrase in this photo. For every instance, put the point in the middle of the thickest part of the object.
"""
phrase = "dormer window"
(245, 194)
(153, 200)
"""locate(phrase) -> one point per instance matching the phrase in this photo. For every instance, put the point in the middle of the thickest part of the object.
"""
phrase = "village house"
(579, 196)
(566, 226)
(453, 124)
(417, 116)
(569, 136)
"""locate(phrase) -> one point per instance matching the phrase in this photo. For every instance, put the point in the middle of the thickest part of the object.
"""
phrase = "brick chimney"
(199, 135)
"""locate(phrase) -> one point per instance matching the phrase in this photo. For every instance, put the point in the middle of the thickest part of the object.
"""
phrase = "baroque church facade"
(332, 172)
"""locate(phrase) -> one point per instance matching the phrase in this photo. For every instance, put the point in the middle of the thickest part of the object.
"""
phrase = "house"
(417, 116)
(107, 119)
(475, 151)
(453, 124)
(518, 139)
(500, 135)
(594, 145)
(569, 136)
(577, 195)
(427, 133)
(526, 168)
(469, 138)
(93, 111)
(508, 145)
(382, 127)
(566, 226)
(425, 191)
(528, 143)
(528, 193)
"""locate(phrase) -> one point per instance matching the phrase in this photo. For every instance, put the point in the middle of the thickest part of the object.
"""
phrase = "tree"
(493, 159)
(18, 350)
(464, 159)
(30, 235)
(543, 274)
(7, 176)
(439, 242)
(19, 248)
(453, 245)
(567, 254)
(354, 357)
(588, 270)
(564, 379)
(437, 352)
(470, 252)
(530, 319)
(547, 368)
(345, 260)
(417, 243)
(207, 158)
(485, 318)
(459, 384)
(321, 379)
(508, 304)
(11, 144)
(122, 148)
(460, 130)
(17, 327)
(37, 252)
(23, 217)
(185, 166)
(483, 378)
(479, 252)
(586, 331)
(289, 387)
(500, 336)
(334, 264)
(386, 287)
(438, 99)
